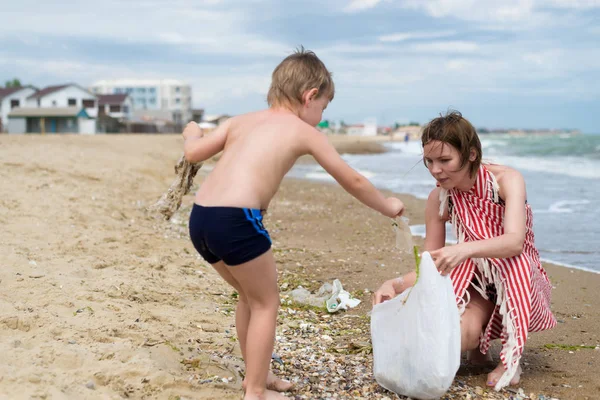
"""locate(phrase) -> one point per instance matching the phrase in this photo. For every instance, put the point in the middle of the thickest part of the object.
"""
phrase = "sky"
(503, 63)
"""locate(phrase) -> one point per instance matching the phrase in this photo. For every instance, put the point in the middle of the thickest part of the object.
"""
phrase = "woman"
(501, 288)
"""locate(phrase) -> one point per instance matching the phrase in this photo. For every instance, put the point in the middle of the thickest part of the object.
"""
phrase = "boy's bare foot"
(278, 384)
(475, 357)
(496, 374)
(275, 383)
(267, 395)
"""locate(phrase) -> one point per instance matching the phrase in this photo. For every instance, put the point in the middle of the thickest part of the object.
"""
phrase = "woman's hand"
(449, 257)
(387, 291)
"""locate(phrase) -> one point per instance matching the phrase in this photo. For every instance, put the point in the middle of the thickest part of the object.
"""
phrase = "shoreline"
(544, 260)
(101, 299)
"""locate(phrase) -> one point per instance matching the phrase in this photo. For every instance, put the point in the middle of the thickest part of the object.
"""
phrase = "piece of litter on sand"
(277, 359)
(340, 299)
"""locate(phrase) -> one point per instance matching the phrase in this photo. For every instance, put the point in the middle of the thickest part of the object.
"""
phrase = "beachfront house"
(118, 106)
(368, 128)
(50, 120)
(67, 95)
(67, 108)
(10, 98)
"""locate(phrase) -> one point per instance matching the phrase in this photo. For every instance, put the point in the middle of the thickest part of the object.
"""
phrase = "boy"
(226, 226)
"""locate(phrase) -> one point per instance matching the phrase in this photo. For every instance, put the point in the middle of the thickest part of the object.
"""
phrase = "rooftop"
(139, 82)
(111, 99)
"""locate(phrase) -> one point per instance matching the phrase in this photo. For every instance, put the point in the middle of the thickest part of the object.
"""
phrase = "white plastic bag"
(404, 240)
(416, 337)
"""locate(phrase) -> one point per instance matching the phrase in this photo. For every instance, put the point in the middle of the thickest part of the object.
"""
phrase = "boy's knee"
(270, 302)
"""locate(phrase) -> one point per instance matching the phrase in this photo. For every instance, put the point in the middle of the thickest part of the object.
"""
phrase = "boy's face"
(312, 112)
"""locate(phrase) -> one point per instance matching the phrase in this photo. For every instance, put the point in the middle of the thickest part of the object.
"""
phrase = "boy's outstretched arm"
(353, 182)
(198, 148)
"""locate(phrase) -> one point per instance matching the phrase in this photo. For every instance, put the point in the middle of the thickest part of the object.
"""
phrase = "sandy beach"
(101, 299)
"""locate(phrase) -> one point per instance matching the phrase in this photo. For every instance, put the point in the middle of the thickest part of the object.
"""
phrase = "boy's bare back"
(259, 149)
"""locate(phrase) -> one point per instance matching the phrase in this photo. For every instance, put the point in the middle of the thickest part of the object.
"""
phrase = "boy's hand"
(192, 130)
(394, 208)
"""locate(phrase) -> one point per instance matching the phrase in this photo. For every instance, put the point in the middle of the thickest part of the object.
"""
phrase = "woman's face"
(443, 162)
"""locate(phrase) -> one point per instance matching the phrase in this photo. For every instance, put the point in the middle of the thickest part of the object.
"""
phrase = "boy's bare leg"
(257, 279)
(242, 319)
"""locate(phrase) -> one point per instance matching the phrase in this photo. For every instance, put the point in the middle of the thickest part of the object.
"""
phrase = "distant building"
(10, 98)
(51, 120)
(152, 94)
(67, 95)
(118, 106)
(197, 114)
(217, 119)
(368, 128)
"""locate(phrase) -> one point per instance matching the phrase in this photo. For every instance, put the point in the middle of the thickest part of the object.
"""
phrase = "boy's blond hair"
(296, 74)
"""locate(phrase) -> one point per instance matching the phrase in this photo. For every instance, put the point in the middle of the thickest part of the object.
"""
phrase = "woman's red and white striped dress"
(521, 284)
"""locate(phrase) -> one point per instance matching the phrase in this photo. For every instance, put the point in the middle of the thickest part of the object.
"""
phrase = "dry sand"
(100, 300)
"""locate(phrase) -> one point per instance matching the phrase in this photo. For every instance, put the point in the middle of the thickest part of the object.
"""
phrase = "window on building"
(177, 89)
(118, 90)
(89, 103)
(14, 103)
(152, 90)
(177, 100)
(152, 100)
(53, 103)
(129, 90)
(141, 90)
(72, 102)
(115, 108)
(125, 109)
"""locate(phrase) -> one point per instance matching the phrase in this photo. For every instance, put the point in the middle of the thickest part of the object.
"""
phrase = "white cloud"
(404, 36)
(202, 25)
(349, 48)
(506, 10)
(64, 71)
(360, 5)
(577, 4)
(458, 64)
(447, 47)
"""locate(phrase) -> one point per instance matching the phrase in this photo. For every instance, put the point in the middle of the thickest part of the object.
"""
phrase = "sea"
(562, 175)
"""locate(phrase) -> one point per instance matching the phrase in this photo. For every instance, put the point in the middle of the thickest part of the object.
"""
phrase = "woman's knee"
(470, 332)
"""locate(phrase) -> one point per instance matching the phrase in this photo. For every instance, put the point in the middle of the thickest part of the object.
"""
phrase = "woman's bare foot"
(475, 357)
(496, 374)
(275, 383)
(266, 395)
